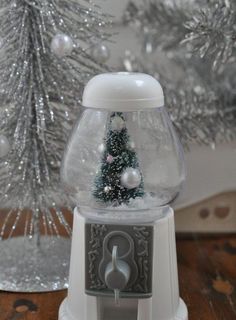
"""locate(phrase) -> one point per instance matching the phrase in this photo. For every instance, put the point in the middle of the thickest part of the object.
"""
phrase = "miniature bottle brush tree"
(119, 178)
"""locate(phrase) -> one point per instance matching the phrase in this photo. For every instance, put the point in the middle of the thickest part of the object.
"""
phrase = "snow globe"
(124, 166)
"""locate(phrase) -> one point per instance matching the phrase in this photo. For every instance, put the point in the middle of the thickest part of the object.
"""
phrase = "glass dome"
(126, 160)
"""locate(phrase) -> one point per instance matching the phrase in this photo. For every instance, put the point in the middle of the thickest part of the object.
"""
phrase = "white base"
(164, 304)
(26, 267)
(181, 314)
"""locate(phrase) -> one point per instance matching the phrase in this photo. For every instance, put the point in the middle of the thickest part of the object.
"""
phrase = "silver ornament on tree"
(101, 53)
(131, 178)
(61, 45)
(4, 146)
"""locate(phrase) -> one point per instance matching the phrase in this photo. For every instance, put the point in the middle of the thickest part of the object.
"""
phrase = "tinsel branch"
(209, 26)
(199, 38)
(161, 23)
(212, 32)
(201, 112)
(40, 97)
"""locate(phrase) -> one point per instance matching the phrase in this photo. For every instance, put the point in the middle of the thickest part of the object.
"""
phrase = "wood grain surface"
(207, 278)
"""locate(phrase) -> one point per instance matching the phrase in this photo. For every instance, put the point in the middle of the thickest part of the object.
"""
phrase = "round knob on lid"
(117, 272)
(123, 91)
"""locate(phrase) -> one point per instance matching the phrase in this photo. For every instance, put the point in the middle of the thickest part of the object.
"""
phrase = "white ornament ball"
(4, 146)
(131, 145)
(1, 42)
(131, 178)
(61, 45)
(101, 148)
(117, 123)
(101, 53)
(107, 189)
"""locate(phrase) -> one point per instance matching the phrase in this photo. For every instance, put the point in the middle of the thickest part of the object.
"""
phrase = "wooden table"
(207, 276)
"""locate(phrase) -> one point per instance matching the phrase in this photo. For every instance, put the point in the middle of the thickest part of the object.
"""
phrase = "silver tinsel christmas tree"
(48, 52)
(197, 39)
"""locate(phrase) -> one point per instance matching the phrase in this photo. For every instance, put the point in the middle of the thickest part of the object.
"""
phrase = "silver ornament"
(4, 146)
(61, 45)
(131, 178)
(117, 123)
(101, 53)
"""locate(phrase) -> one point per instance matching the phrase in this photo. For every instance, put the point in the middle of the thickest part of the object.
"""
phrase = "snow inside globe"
(123, 153)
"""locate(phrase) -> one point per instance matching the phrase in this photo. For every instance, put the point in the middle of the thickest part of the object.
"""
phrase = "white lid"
(123, 91)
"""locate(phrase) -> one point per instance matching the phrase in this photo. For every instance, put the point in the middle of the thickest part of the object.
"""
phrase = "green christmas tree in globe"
(119, 178)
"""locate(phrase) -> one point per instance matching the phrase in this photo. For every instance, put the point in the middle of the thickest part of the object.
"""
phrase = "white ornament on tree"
(61, 45)
(117, 123)
(4, 146)
(131, 145)
(131, 178)
(101, 148)
(107, 189)
(101, 53)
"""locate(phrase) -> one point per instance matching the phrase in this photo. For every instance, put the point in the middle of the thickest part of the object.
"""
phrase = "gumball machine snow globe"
(124, 166)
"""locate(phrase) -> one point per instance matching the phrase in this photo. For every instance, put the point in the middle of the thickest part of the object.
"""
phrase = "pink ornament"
(110, 158)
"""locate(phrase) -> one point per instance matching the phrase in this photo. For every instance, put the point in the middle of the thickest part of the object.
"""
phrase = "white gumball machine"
(124, 165)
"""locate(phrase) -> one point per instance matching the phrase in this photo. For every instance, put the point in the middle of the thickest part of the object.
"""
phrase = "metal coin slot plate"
(135, 246)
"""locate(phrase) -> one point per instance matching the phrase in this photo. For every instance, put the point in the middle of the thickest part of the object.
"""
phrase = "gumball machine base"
(123, 270)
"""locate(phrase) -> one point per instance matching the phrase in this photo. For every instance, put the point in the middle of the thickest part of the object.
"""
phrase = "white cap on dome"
(123, 91)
